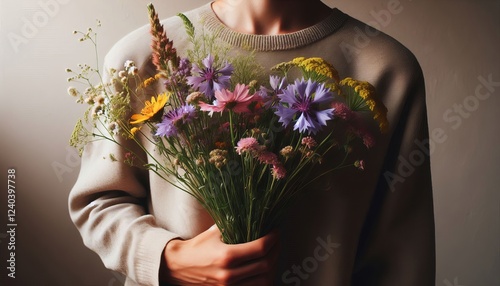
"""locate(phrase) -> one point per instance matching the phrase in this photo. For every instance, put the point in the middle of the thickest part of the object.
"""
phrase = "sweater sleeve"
(108, 203)
(397, 241)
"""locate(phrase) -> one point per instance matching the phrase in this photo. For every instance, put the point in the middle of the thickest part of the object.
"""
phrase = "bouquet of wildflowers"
(244, 147)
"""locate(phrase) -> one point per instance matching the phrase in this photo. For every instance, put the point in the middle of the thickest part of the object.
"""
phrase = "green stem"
(231, 129)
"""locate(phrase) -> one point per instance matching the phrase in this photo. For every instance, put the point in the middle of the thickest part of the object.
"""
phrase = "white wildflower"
(133, 70)
(72, 91)
(128, 64)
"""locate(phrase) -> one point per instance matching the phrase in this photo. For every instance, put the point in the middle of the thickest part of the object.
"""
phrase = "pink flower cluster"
(251, 145)
(354, 123)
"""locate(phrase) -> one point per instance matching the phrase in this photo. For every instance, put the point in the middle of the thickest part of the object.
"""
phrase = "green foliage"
(188, 25)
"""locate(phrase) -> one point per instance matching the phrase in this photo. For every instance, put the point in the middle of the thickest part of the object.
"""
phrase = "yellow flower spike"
(151, 108)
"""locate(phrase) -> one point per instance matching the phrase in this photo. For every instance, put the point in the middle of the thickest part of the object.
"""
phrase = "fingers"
(244, 252)
(253, 261)
(235, 254)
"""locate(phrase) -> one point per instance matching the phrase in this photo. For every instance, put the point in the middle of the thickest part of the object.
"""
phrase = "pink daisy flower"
(237, 101)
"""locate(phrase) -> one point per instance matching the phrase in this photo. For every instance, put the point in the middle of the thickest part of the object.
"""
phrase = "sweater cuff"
(149, 255)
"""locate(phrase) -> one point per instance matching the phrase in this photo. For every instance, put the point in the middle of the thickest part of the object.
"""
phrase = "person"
(370, 228)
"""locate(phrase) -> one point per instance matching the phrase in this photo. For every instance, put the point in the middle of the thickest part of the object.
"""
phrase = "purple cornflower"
(269, 96)
(170, 122)
(277, 83)
(302, 102)
(209, 78)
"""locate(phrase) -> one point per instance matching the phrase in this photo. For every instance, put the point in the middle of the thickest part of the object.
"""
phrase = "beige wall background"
(457, 43)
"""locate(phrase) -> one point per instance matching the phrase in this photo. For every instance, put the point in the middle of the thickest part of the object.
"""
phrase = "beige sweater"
(370, 228)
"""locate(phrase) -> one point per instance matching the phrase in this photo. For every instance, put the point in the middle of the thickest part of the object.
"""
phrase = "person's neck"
(269, 17)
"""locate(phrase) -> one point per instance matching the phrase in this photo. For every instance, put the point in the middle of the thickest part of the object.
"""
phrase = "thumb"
(213, 233)
(213, 230)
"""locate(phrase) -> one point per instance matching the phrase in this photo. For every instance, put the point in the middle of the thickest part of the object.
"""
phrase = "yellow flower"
(317, 69)
(361, 95)
(298, 60)
(148, 82)
(314, 68)
(283, 67)
(151, 80)
(318, 66)
(151, 108)
(134, 130)
(371, 104)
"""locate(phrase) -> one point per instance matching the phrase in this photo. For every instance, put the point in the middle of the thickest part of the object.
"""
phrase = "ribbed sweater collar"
(272, 42)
